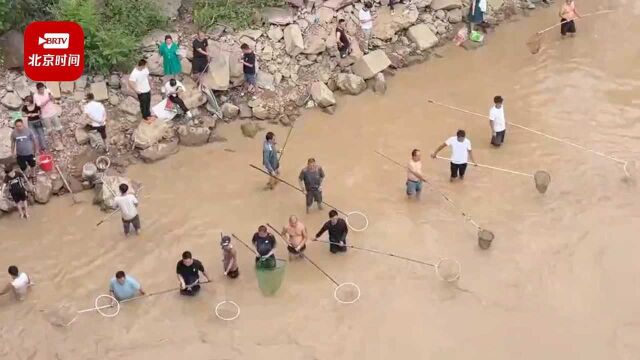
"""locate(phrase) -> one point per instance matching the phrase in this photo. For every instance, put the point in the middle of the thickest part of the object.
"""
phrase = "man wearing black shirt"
(249, 67)
(342, 39)
(338, 230)
(188, 270)
(265, 244)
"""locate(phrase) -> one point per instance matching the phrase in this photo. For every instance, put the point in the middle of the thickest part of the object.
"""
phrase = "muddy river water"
(561, 281)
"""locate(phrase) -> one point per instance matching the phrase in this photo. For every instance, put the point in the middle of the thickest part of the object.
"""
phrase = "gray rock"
(277, 16)
(245, 111)
(192, 96)
(21, 87)
(441, 14)
(11, 101)
(218, 75)
(130, 106)
(422, 4)
(422, 36)
(455, 16)
(386, 25)
(275, 33)
(82, 137)
(261, 112)
(265, 80)
(193, 136)
(5, 146)
(351, 84)
(294, 43)
(159, 151)
(114, 100)
(252, 34)
(325, 14)
(81, 83)
(229, 110)
(147, 134)
(100, 91)
(314, 44)
(380, 84)
(43, 189)
(249, 129)
(12, 48)
(321, 94)
(114, 81)
(371, 64)
(67, 87)
(329, 109)
(154, 64)
(446, 4)
(6, 204)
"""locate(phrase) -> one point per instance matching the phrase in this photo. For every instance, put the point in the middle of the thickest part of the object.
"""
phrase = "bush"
(112, 33)
(16, 14)
(235, 13)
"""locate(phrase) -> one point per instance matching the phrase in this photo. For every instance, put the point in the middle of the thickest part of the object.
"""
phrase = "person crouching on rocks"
(172, 89)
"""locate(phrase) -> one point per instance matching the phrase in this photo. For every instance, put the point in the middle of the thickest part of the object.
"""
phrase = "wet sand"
(560, 281)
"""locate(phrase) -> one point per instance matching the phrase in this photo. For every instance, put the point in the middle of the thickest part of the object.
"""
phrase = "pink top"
(47, 106)
(569, 11)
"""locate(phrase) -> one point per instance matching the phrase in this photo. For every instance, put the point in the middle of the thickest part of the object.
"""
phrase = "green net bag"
(270, 273)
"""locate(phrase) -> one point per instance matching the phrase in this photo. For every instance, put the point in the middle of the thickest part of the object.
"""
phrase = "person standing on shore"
(19, 283)
(248, 61)
(338, 231)
(295, 233)
(17, 183)
(49, 111)
(568, 15)
(366, 23)
(460, 154)
(25, 147)
(311, 178)
(476, 13)
(139, 82)
(188, 271)
(128, 205)
(342, 40)
(32, 112)
(414, 175)
(123, 287)
(170, 61)
(97, 115)
(200, 56)
(270, 159)
(497, 122)
(265, 244)
(229, 258)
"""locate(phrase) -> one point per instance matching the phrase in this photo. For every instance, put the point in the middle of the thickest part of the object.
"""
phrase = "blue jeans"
(413, 187)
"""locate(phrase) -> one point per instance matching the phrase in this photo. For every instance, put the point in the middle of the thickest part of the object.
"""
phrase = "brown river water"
(561, 280)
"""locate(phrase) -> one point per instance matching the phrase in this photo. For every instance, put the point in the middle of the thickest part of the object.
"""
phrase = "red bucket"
(46, 162)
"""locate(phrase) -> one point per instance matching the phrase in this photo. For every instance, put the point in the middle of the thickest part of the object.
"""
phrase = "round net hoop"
(542, 180)
(113, 303)
(485, 237)
(347, 285)
(357, 229)
(227, 318)
(448, 270)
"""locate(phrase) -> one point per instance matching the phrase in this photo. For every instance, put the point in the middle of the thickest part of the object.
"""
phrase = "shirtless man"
(568, 14)
(19, 284)
(295, 233)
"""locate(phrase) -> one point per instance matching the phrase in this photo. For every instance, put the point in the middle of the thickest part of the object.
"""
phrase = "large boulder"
(245, 111)
(147, 134)
(82, 136)
(193, 136)
(192, 96)
(12, 48)
(321, 94)
(422, 36)
(293, 42)
(154, 64)
(351, 84)
(11, 101)
(106, 192)
(275, 34)
(261, 112)
(387, 25)
(168, 8)
(325, 14)
(218, 75)
(124, 86)
(314, 44)
(21, 86)
(337, 4)
(6, 204)
(159, 151)
(446, 4)
(229, 110)
(277, 16)
(371, 64)
(5, 145)
(100, 91)
(455, 16)
(43, 189)
(264, 80)
(130, 106)
(249, 129)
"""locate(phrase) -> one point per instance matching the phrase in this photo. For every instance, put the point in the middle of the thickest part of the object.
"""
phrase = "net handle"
(581, 17)
(490, 167)
(377, 252)
(228, 318)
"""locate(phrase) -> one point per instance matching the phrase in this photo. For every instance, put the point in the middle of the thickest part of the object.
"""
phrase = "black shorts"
(568, 27)
(336, 245)
(198, 65)
(233, 273)
(498, 139)
(313, 195)
(192, 291)
(292, 250)
(458, 169)
(102, 130)
(24, 160)
(18, 195)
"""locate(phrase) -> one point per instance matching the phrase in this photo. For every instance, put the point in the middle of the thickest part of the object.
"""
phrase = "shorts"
(568, 27)
(192, 291)
(313, 195)
(413, 187)
(292, 250)
(24, 160)
(498, 139)
(18, 195)
(336, 245)
(127, 224)
(266, 262)
(458, 169)
(250, 78)
(199, 65)
(233, 273)
(102, 130)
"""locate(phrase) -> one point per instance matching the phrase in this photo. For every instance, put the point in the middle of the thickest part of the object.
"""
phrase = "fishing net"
(227, 310)
(542, 179)
(357, 221)
(347, 293)
(485, 237)
(534, 43)
(269, 276)
(448, 269)
(63, 316)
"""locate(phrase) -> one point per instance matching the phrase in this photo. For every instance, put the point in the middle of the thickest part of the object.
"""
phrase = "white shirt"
(127, 205)
(170, 90)
(497, 117)
(365, 19)
(141, 78)
(20, 284)
(96, 112)
(459, 150)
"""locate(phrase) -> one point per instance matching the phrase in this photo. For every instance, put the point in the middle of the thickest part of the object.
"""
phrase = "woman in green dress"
(170, 60)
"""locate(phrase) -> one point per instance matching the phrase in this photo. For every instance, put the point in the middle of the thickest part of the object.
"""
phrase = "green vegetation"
(235, 13)
(16, 14)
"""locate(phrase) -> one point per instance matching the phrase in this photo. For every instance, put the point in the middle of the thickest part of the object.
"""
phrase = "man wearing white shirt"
(97, 115)
(460, 154)
(128, 206)
(366, 23)
(497, 122)
(171, 89)
(139, 82)
(19, 284)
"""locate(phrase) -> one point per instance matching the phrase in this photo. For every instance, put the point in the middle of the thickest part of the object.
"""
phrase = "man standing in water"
(270, 159)
(229, 258)
(265, 244)
(311, 180)
(568, 14)
(414, 175)
(338, 231)
(19, 283)
(188, 270)
(295, 233)
(497, 122)
(128, 205)
(123, 287)
(460, 154)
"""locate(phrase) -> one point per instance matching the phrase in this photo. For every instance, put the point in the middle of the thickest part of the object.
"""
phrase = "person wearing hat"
(229, 258)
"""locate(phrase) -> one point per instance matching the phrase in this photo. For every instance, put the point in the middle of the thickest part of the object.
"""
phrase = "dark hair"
(311, 160)
(244, 47)
(186, 255)
(8, 170)
(262, 228)
(270, 135)
(341, 21)
(461, 133)
(172, 82)
(123, 188)
(167, 37)
(333, 213)
(90, 96)
(142, 62)
(18, 121)
(13, 270)
(120, 274)
(414, 152)
(39, 86)
(28, 99)
(497, 99)
(368, 5)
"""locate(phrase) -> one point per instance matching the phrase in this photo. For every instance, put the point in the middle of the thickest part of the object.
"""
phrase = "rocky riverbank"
(298, 67)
